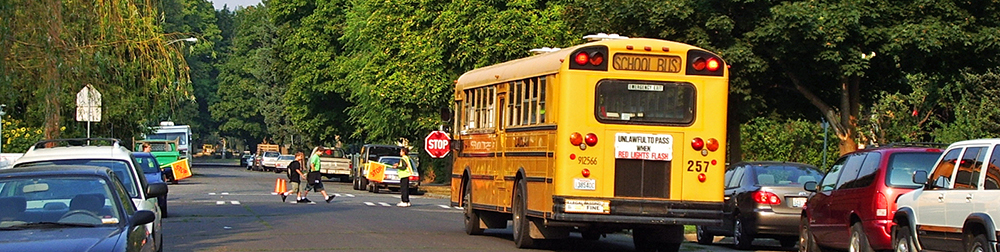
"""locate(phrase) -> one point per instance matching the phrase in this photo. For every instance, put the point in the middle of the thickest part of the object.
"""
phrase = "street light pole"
(1, 125)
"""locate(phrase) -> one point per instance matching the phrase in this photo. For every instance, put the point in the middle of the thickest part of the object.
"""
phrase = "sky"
(233, 3)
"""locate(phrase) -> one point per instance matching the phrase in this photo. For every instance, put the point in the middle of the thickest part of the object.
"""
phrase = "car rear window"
(781, 175)
(902, 166)
(121, 169)
(271, 154)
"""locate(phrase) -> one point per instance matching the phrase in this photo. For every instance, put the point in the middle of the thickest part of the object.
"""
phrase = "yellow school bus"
(611, 135)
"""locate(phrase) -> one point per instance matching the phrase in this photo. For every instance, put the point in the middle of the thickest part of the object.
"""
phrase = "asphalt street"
(227, 208)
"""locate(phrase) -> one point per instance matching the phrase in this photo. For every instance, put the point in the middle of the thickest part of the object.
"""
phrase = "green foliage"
(17, 137)
(973, 112)
(248, 83)
(800, 141)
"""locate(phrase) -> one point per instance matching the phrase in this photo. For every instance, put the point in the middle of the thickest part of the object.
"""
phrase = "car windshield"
(902, 166)
(783, 174)
(271, 154)
(148, 164)
(56, 201)
(121, 169)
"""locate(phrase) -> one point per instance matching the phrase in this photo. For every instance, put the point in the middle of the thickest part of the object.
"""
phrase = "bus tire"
(522, 228)
(471, 215)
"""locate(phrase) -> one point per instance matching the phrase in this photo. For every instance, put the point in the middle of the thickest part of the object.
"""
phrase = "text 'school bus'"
(618, 133)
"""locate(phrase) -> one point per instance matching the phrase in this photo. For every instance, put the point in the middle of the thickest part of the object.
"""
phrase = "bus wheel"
(522, 230)
(471, 215)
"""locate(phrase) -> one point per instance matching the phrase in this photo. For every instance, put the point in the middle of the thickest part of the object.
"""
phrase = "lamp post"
(1, 125)
(192, 39)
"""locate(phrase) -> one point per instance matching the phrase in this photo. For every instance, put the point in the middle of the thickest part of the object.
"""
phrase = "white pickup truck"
(333, 163)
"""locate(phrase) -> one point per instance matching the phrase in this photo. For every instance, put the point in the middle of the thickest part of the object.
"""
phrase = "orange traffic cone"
(279, 186)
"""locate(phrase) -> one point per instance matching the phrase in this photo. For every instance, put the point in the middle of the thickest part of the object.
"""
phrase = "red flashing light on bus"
(591, 139)
(581, 58)
(697, 143)
(712, 64)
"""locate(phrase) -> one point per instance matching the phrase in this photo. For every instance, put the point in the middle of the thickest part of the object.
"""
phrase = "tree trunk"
(844, 125)
(735, 148)
(54, 47)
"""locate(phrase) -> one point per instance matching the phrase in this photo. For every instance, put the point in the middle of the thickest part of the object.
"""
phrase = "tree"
(196, 18)
(53, 48)
(248, 82)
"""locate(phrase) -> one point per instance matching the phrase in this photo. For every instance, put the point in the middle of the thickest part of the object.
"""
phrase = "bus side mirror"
(446, 114)
(810, 186)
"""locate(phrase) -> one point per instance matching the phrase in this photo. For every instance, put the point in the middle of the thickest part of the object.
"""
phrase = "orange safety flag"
(376, 171)
(181, 169)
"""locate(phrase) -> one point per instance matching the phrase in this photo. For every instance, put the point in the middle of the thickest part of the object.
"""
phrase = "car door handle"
(940, 197)
(968, 197)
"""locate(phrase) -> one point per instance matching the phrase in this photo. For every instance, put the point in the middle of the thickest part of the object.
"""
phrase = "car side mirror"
(920, 177)
(142, 217)
(156, 190)
(810, 186)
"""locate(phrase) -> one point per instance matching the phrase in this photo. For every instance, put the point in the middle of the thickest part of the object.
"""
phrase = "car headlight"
(392, 177)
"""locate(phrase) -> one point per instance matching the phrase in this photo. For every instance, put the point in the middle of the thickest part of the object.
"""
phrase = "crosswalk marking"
(234, 202)
(384, 204)
(369, 204)
(220, 202)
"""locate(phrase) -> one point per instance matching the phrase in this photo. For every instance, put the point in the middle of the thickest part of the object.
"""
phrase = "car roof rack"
(65, 142)
(915, 144)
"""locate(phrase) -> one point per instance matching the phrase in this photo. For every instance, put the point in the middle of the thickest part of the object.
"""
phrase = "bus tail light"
(591, 139)
(585, 173)
(712, 64)
(697, 143)
(575, 139)
(712, 144)
(702, 177)
(763, 197)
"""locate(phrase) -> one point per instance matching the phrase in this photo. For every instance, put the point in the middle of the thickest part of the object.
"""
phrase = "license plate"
(584, 184)
(798, 202)
(588, 206)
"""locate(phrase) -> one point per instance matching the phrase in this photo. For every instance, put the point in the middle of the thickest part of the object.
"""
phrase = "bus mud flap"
(540, 231)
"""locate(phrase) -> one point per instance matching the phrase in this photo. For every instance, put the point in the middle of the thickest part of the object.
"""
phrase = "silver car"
(104, 152)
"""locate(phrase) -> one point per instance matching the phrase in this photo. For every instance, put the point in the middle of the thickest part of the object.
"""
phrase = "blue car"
(70, 208)
(151, 168)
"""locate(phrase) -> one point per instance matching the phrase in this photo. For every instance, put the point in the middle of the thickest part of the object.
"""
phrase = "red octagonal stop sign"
(437, 144)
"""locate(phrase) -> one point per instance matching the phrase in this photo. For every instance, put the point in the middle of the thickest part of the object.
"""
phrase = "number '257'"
(698, 166)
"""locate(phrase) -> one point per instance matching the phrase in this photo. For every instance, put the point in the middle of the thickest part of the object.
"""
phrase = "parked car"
(151, 168)
(391, 180)
(165, 151)
(106, 152)
(856, 201)
(281, 164)
(245, 160)
(268, 159)
(956, 209)
(70, 208)
(763, 199)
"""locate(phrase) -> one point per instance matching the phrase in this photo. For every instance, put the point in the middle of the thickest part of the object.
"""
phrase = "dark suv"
(853, 205)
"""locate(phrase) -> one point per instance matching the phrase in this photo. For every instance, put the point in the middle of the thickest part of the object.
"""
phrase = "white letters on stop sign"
(438, 144)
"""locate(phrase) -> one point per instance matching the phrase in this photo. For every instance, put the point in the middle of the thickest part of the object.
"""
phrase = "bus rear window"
(645, 102)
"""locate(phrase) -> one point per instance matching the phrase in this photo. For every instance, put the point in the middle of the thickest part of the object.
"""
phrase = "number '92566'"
(698, 166)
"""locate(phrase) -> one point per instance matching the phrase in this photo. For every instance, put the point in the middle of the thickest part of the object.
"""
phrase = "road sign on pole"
(88, 105)
(437, 144)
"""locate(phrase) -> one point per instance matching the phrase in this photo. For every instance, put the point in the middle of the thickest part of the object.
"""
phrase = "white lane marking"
(345, 195)
(444, 206)
(211, 193)
(274, 193)
(384, 204)
(220, 202)
(225, 193)
(235, 202)
(369, 204)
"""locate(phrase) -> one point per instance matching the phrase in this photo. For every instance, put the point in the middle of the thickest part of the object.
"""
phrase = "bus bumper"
(645, 211)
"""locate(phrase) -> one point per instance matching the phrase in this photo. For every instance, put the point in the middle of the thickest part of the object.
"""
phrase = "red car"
(853, 205)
